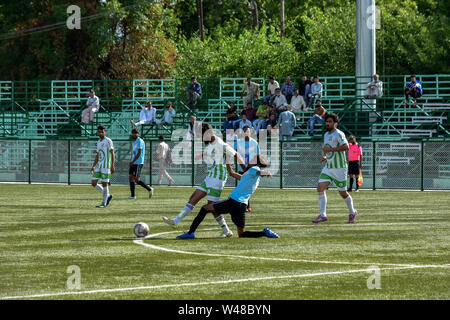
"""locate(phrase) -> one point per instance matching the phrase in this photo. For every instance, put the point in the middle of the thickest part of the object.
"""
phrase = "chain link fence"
(417, 165)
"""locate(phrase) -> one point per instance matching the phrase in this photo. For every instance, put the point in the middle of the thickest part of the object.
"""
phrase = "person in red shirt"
(354, 162)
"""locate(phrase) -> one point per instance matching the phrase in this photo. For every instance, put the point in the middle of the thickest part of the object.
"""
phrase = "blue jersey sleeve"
(141, 144)
(254, 171)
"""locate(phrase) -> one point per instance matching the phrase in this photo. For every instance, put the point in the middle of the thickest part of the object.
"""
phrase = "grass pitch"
(47, 228)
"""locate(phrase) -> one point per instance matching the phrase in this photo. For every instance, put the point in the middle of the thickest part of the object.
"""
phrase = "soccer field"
(47, 228)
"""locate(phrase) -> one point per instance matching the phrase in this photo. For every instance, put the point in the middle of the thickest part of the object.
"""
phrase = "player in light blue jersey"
(236, 204)
(136, 164)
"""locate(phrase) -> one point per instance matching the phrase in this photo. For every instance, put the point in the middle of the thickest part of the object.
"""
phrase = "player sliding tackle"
(212, 186)
(335, 146)
(236, 204)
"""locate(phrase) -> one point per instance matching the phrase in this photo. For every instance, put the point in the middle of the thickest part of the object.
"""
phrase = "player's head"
(352, 139)
(161, 138)
(207, 132)
(331, 121)
(135, 134)
(101, 131)
(246, 130)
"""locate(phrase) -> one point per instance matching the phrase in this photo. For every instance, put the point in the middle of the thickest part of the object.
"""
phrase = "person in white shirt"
(273, 84)
(316, 91)
(169, 114)
(93, 105)
(279, 99)
(374, 88)
(193, 125)
(252, 89)
(147, 115)
(297, 102)
(163, 156)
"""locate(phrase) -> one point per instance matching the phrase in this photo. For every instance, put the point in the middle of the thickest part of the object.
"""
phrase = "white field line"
(208, 283)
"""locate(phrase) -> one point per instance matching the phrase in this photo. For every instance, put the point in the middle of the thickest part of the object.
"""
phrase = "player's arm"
(136, 157)
(264, 173)
(233, 173)
(344, 147)
(95, 163)
(113, 160)
(240, 161)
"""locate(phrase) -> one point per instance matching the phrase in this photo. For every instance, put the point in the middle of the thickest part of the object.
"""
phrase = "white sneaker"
(150, 194)
(168, 221)
(225, 235)
(131, 198)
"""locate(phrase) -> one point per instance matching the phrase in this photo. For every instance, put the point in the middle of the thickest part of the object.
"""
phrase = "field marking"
(192, 284)
(142, 243)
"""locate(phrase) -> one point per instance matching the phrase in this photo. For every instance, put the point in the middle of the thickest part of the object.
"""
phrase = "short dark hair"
(101, 128)
(161, 138)
(135, 131)
(193, 78)
(271, 78)
(413, 76)
(205, 127)
(333, 116)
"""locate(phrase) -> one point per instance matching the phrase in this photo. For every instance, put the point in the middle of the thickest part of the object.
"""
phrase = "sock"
(105, 194)
(99, 188)
(198, 219)
(351, 184)
(223, 224)
(357, 186)
(253, 234)
(186, 211)
(349, 202)
(143, 185)
(323, 204)
(132, 188)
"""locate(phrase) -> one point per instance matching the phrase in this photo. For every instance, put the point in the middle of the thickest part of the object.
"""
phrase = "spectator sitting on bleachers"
(273, 110)
(93, 103)
(413, 89)
(245, 122)
(318, 117)
(147, 115)
(250, 112)
(252, 89)
(304, 88)
(194, 92)
(193, 124)
(297, 102)
(316, 91)
(287, 123)
(272, 123)
(288, 89)
(279, 100)
(374, 88)
(169, 114)
(271, 86)
(262, 115)
(232, 117)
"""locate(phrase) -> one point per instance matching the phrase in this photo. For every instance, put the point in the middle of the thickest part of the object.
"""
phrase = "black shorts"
(236, 209)
(135, 170)
(353, 167)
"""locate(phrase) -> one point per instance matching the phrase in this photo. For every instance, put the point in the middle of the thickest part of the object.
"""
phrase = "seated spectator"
(287, 123)
(316, 91)
(297, 102)
(231, 117)
(169, 114)
(304, 88)
(272, 123)
(279, 100)
(252, 89)
(271, 86)
(193, 125)
(318, 117)
(250, 112)
(288, 89)
(262, 114)
(194, 92)
(273, 110)
(245, 122)
(147, 116)
(374, 88)
(93, 103)
(413, 89)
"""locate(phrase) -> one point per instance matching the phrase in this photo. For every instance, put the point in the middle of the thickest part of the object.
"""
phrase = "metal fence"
(417, 165)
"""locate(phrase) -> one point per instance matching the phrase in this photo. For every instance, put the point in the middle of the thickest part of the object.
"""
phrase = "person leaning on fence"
(374, 88)
(413, 89)
(252, 89)
(164, 157)
(169, 114)
(93, 105)
(318, 117)
(194, 92)
(146, 116)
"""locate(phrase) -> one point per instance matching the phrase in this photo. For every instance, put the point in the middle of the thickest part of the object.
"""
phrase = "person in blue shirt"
(194, 92)
(413, 89)
(136, 164)
(236, 204)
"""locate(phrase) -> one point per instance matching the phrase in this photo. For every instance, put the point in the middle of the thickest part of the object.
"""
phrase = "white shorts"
(213, 188)
(102, 174)
(336, 176)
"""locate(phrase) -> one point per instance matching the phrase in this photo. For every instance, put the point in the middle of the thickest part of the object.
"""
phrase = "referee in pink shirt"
(354, 162)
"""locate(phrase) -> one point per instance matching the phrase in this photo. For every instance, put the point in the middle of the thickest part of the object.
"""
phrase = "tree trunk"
(200, 19)
(255, 14)
(282, 17)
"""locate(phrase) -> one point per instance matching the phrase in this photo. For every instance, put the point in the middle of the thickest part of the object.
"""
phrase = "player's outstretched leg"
(193, 200)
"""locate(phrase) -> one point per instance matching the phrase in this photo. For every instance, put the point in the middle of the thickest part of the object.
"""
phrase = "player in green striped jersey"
(103, 166)
(215, 180)
(335, 170)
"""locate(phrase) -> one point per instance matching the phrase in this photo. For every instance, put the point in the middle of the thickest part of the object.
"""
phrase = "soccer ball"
(141, 229)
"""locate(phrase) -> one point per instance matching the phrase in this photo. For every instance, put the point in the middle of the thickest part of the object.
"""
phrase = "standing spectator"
(163, 154)
(169, 114)
(272, 123)
(232, 117)
(288, 89)
(262, 115)
(245, 122)
(374, 88)
(304, 88)
(193, 124)
(297, 102)
(316, 91)
(271, 86)
(252, 89)
(413, 89)
(147, 115)
(93, 105)
(194, 92)
(279, 100)
(354, 162)
(287, 123)
(318, 117)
